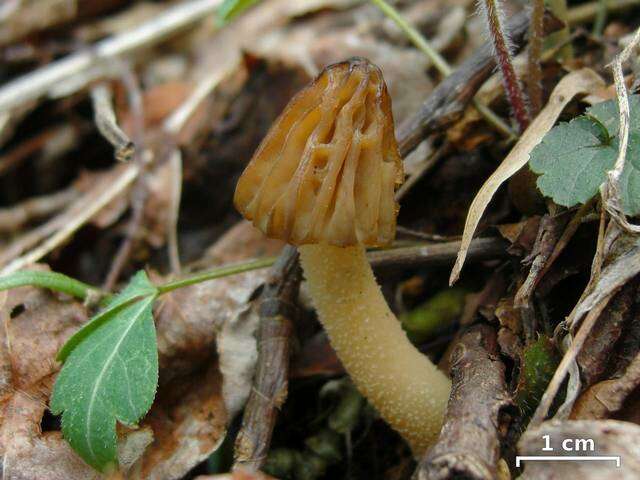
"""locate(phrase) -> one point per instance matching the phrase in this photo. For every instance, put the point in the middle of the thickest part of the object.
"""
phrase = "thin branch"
(181, 115)
(396, 257)
(270, 384)
(105, 119)
(138, 198)
(140, 190)
(469, 444)
(12, 218)
(91, 204)
(94, 63)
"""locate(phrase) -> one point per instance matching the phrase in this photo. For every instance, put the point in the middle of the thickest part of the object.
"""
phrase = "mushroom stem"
(406, 388)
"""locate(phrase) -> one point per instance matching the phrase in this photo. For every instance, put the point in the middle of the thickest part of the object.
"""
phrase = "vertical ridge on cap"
(328, 168)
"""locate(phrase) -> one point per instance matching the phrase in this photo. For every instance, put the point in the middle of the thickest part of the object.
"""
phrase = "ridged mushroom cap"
(328, 169)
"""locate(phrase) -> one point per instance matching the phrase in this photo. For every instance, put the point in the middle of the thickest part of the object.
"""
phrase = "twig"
(610, 191)
(175, 164)
(38, 142)
(94, 62)
(548, 238)
(564, 239)
(503, 50)
(12, 218)
(436, 254)
(447, 102)
(401, 257)
(534, 70)
(140, 190)
(105, 119)
(179, 117)
(469, 444)
(138, 198)
(172, 126)
(277, 310)
(91, 205)
(440, 63)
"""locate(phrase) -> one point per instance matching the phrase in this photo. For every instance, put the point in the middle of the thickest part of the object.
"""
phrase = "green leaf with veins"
(138, 287)
(573, 158)
(110, 374)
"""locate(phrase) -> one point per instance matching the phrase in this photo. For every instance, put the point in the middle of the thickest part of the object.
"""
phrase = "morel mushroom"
(324, 179)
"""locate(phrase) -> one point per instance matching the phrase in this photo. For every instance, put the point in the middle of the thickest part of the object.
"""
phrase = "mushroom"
(324, 179)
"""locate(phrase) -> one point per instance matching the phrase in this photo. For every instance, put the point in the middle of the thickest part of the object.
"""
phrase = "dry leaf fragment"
(574, 83)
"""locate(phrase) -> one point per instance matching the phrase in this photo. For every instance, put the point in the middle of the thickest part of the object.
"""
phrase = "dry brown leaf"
(607, 397)
(189, 422)
(609, 437)
(574, 83)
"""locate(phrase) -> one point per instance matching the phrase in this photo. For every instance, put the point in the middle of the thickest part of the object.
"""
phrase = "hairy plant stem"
(534, 67)
(494, 18)
(440, 63)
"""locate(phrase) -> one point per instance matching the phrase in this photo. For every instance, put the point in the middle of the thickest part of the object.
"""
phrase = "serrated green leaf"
(572, 161)
(233, 8)
(110, 375)
(573, 158)
(138, 287)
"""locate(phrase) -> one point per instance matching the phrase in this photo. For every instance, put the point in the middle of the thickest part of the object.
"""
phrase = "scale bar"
(557, 458)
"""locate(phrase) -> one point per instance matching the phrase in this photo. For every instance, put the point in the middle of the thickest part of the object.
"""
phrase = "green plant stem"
(440, 63)
(219, 272)
(51, 280)
(416, 37)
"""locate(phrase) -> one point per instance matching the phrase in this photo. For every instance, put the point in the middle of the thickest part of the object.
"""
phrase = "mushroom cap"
(328, 169)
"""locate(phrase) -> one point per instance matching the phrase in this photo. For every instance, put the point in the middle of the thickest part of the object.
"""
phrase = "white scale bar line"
(594, 458)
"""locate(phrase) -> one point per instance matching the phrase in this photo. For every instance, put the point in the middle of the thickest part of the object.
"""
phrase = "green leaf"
(110, 374)
(232, 8)
(51, 280)
(607, 113)
(138, 287)
(573, 158)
